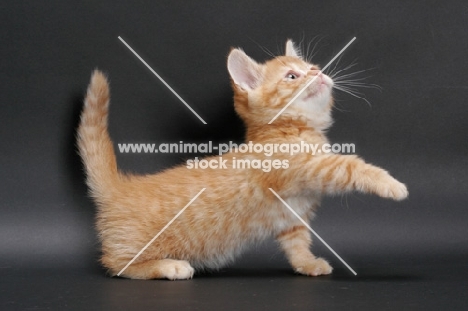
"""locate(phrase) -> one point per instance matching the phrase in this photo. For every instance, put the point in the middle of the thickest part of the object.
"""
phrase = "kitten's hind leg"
(160, 269)
(296, 242)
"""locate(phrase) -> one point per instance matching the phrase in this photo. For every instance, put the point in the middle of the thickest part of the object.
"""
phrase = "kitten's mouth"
(325, 80)
(320, 85)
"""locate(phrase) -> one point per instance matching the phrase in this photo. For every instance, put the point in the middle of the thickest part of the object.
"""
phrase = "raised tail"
(94, 143)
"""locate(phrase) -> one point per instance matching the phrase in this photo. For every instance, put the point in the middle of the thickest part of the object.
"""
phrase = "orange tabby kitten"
(237, 207)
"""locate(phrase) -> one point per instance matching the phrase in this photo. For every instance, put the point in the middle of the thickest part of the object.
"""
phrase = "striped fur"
(237, 209)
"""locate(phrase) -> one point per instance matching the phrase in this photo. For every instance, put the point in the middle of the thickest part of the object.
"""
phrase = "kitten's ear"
(244, 71)
(291, 49)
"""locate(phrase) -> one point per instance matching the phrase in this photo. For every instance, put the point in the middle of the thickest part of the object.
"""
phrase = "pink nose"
(314, 72)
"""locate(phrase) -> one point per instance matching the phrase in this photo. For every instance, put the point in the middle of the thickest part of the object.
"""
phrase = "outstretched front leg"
(343, 173)
(296, 242)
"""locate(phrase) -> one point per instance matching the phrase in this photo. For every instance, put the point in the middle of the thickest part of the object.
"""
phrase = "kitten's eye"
(292, 76)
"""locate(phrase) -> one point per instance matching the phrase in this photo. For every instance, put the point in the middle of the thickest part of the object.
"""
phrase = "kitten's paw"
(316, 267)
(177, 270)
(394, 190)
(385, 186)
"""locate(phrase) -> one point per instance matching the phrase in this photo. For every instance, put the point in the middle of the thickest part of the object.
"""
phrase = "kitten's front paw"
(316, 267)
(386, 186)
(394, 190)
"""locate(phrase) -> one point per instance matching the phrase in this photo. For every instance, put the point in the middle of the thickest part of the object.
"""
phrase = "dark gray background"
(409, 255)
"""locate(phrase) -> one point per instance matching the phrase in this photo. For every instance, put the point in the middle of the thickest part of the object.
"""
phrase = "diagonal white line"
(162, 80)
(160, 232)
(312, 230)
(311, 81)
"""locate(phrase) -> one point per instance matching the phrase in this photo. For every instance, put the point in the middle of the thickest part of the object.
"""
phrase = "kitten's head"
(262, 90)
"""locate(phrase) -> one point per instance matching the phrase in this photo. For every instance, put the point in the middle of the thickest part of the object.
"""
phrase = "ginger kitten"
(237, 207)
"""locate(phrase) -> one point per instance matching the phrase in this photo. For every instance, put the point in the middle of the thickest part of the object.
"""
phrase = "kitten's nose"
(314, 71)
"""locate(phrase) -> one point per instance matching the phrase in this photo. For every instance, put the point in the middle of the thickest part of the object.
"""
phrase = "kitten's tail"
(94, 143)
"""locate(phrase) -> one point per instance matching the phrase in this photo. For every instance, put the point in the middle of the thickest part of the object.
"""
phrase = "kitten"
(237, 207)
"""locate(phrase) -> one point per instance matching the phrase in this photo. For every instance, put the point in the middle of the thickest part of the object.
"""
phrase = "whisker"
(301, 44)
(348, 82)
(358, 84)
(339, 109)
(352, 74)
(329, 70)
(350, 90)
(264, 49)
(352, 93)
(309, 57)
(354, 79)
(267, 51)
(354, 63)
(307, 51)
